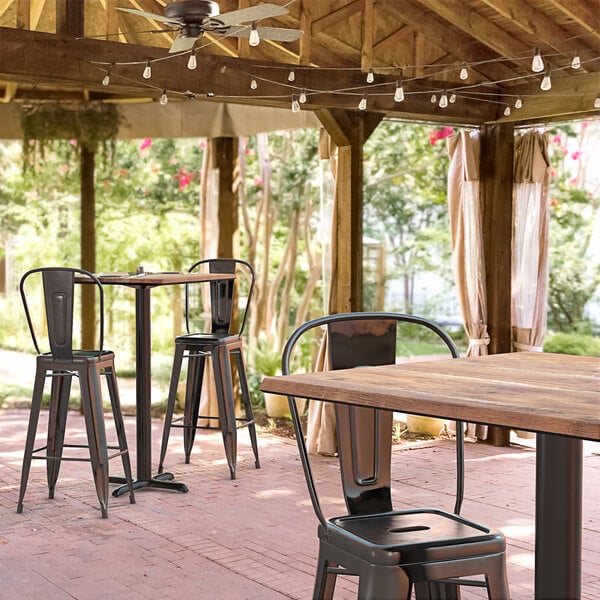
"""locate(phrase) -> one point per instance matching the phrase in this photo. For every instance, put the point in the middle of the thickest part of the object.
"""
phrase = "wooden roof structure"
(63, 49)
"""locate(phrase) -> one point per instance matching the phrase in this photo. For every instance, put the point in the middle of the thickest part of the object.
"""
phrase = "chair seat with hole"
(61, 364)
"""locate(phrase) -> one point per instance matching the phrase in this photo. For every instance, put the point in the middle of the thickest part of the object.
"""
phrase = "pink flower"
(553, 173)
(573, 181)
(173, 161)
(258, 181)
(249, 152)
(123, 172)
(147, 143)
(554, 202)
(73, 142)
(440, 134)
(184, 178)
(63, 168)
(202, 144)
(557, 140)
(576, 155)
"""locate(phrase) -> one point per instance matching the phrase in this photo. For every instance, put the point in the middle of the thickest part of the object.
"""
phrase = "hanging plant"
(93, 126)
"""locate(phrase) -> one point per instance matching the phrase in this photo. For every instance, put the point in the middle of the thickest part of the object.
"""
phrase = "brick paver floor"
(253, 538)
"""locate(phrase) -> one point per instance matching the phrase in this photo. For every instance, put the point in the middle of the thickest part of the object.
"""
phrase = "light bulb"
(362, 105)
(537, 64)
(443, 100)
(370, 76)
(295, 105)
(292, 75)
(464, 72)
(189, 95)
(163, 99)
(106, 80)
(254, 39)
(192, 61)
(576, 62)
(433, 99)
(399, 93)
(147, 71)
(519, 102)
(597, 101)
(302, 97)
(546, 82)
(253, 84)
(507, 111)
(452, 98)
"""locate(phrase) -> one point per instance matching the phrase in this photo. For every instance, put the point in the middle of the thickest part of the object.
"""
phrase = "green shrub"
(573, 343)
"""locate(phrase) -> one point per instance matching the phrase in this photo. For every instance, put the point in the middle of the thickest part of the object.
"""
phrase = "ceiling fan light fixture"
(254, 39)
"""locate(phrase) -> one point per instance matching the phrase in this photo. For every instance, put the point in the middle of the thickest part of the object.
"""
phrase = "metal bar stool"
(221, 344)
(61, 364)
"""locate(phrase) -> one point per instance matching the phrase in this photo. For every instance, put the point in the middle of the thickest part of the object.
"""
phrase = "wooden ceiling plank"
(112, 19)
(23, 14)
(243, 46)
(4, 5)
(70, 18)
(37, 6)
(368, 29)
(306, 26)
(389, 40)
(585, 12)
(337, 16)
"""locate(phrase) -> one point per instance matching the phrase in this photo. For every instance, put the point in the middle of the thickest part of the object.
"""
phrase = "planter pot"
(424, 425)
(278, 406)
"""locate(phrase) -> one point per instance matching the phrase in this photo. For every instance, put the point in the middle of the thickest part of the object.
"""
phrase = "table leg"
(558, 517)
(143, 402)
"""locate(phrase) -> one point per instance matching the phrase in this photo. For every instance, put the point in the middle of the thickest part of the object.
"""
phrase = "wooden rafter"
(306, 26)
(337, 16)
(368, 27)
(585, 12)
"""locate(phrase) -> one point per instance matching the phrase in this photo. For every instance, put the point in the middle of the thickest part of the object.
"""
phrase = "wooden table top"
(549, 393)
(160, 278)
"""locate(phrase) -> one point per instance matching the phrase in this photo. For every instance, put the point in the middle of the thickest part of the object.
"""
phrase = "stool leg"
(497, 581)
(241, 369)
(115, 403)
(224, 384)
(175, 373)
(193, 391)
(59, 406)
(94, 422)
(36, 405)
(384, 583)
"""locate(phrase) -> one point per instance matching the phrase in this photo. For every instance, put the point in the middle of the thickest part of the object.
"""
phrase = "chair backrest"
(223, 293)
(58, 284)
(364, 434)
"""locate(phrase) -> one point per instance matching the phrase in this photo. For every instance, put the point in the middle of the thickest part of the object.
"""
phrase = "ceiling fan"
(195, 17)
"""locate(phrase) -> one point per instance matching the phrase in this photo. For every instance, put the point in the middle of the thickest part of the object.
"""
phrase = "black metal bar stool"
(61, 364)
(221, 344)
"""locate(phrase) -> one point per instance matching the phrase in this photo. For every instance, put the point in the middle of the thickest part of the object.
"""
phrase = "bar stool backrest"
(58, 285)
(223, 293)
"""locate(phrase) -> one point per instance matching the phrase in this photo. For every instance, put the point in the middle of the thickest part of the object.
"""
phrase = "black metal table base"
(162, 482)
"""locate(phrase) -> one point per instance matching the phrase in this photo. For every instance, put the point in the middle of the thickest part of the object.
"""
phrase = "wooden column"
(224, 154)
(497, 145)
(349, 130)
(88, 243)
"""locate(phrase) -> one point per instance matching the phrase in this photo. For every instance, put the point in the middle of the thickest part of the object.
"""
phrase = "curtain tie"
(484, 341)
(527, 347)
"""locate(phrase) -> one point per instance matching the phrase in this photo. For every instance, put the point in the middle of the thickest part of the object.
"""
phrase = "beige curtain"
(530, 241)
(467, 245)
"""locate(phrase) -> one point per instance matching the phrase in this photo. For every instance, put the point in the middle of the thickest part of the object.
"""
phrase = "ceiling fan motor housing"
(191, 11)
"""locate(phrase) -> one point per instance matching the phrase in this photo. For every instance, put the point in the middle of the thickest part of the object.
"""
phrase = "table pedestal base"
(162, 482)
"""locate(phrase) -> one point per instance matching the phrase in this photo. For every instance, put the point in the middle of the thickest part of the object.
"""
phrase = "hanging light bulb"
(192, 62)
(254, 39)
(253, 83)
(433, 99)
(507, 111)
(292, 75)
(295, 105)
(597, 101)
(399, 93)
(546, 82)
(537, 64)
(443, 100)
(519, 102)
(452, 98)
(464, 72)
(302, 97)
(163, 99)
(576, 62)
(370, 76)
(106, 80)
(147, 71)
(362, 105)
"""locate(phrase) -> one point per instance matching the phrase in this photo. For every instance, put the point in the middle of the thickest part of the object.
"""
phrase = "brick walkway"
(253, 538)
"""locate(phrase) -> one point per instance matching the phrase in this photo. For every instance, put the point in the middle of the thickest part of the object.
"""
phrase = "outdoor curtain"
(530, 241)
(467, 245)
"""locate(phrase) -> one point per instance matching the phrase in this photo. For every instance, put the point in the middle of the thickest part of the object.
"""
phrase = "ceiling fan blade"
(149, 15)
(253, 13)
(182, 44)
(276, 34)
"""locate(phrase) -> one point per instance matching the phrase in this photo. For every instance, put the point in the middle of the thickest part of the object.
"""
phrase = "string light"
(302, 97)
(399, 93)
(537, 64)
(507, 111)
(362, 105)
(295, 105)
(452, 98)
(370, 76)
(546, 82)
(576, 62)
(443, 100)
(464, 72)
(519, 102)
(292, 75)
(433, 98)
(189, 95)
(253, 83)
(192, 63)
(254, 39)
(597, 101)
(163, 99)
(106, 80)
(147, 71)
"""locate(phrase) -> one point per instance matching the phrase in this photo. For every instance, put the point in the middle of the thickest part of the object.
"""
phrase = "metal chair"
(221, 344)
(61, 364)
(391, 551)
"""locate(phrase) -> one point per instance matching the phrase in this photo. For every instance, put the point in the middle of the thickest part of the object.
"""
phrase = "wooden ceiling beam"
(337, 16)
(585, 12)
(23, 14)
(368, 29)
(305, 57)
(69, 18)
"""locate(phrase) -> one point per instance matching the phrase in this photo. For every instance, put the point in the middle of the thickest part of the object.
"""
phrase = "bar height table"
(557, 396)
(143, 284)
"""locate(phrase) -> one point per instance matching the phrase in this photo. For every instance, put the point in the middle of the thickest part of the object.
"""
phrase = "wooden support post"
(497, 146)
(224, 159)
(88, 243)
